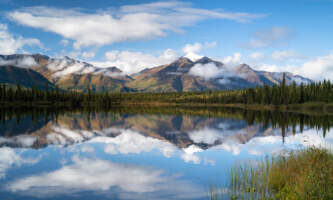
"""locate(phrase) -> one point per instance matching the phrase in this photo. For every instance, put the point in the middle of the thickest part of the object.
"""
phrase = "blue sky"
(291, 35)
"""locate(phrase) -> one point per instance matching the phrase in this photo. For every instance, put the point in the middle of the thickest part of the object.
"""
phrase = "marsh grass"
(304, 174)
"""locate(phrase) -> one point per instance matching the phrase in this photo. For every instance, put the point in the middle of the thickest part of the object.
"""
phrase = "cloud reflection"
(274, 145)
(100, 175)
(9, 158)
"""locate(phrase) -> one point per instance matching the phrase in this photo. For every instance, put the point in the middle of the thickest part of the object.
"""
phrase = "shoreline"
(306, 108)
(314, 108)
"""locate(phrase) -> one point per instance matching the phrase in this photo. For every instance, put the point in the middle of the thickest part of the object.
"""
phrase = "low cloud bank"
(211, 71)
(25, 62)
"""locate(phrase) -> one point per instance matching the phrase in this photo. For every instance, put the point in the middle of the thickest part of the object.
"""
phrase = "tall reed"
(304, 174)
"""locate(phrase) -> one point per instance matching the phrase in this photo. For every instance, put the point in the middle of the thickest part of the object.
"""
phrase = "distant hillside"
(24, 77)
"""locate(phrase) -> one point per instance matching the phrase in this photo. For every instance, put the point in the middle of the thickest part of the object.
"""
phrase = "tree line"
(281, 94)
(18, 94)
(287, 122)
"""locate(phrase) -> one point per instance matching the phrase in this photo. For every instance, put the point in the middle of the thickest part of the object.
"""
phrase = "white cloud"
(25, 62)
(234, 59)
(189, 154)
(273, 144)
(211, 71)
(131, 62)
(191, 51)
(286, 55)
(206, 71)
(127, 23)
(10, 44)
(269, 37)
(9, 158)
(256, 56)
(19, 140)
(105, 176)
(133, 142)
(206, 135)
(317, 68)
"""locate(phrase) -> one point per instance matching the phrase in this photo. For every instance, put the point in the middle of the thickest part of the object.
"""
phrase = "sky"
(284, 35)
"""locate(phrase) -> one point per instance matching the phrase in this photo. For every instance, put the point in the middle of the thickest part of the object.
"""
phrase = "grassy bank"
(306, 108)
(312, 108)
(65, 104)
(299, 175)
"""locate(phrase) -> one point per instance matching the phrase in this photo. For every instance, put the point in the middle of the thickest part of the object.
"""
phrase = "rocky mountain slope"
(180, 75)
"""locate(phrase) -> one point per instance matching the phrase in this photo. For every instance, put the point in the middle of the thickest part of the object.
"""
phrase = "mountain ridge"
(180, 75)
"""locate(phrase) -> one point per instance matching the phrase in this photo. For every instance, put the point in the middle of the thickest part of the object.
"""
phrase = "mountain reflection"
(136, 153)
(181, 131)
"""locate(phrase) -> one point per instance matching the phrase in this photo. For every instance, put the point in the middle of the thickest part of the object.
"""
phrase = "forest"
(282, 94)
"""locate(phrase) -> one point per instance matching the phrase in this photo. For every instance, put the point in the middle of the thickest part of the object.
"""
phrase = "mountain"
(25, 77)
(181, 75)
(205, 74)
(67, 73)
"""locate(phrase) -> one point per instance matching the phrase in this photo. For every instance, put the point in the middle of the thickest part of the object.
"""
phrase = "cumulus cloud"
(192, 51)
(317, 68)
(19, 140)
(273, 144)
(132, 61)
(10, 44)
(206, 135)
(9, 158)
(269, 37)
(211, 71)
(104, 176)
(127, 23)
(206, 71)
(234, 59)
(190, 156)
(133, 142)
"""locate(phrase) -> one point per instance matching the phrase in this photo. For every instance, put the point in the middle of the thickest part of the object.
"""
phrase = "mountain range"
(181, 75)
(180, 131)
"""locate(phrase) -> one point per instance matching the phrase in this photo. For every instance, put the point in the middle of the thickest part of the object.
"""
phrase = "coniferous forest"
(282, 94)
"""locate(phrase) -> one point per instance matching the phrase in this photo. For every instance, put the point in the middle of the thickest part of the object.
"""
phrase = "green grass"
(300, 175)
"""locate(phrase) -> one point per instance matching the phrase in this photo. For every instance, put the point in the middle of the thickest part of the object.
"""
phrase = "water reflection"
(128, 154)
(96, 175)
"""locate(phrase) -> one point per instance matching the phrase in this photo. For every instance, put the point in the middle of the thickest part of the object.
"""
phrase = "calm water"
(128, 154)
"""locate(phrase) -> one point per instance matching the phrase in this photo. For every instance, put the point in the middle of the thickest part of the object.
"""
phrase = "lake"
(141, 152)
